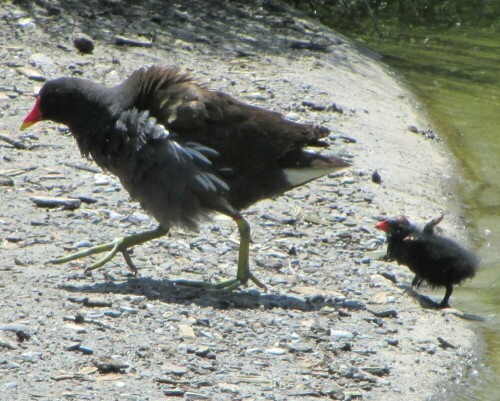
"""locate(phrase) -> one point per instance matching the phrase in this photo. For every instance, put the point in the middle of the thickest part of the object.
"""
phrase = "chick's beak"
(383, 225)
(33, 117)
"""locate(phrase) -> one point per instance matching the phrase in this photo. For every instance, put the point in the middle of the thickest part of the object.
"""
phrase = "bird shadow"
(428, 303)
(167, 291)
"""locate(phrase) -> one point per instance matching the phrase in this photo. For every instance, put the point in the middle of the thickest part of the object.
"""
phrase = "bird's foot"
(121, 245)
(115, 246)
(225, 286)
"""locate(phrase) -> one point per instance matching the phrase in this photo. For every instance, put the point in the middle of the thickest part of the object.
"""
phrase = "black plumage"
(184, 151)
(438, 260)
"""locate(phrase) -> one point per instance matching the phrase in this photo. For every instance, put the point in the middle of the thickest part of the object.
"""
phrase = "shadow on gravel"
(187, 21)
(428, 303)
(223, 26)
(167, 291)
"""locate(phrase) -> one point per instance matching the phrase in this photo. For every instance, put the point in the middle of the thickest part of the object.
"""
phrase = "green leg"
(117, 245)
(242, 275)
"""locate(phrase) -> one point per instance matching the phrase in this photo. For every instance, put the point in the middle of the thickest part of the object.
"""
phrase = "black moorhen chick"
(183, 151)
(433, 258)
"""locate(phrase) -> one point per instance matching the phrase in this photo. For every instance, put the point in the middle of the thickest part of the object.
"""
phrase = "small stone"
(254, 351)
(336, 108)
(383, 312)
(137, 299)
(292, 116)
(109, 365)
(430, 349)
(66, 203)
(174, 392)
(86, 350)
(82, 244)
(186, 332)
(31, 74)
(26, 23)
(6, 181)
(301, 348)
(377, 370)
(101, 179)
(41, 60)
(124, 41)
(376, 178)
(341, 335)
(313, 106)
(392, 341)
(127, 309)
(256, 96)
(83, 43)
(140, 218)
(276, 351)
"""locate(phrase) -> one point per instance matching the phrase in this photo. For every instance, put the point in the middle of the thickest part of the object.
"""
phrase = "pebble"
(86, 350)
(383, 312)
(94, 315)
(186, 332)
(137, 299)
(40, 59)
(31, 74)
(11, 385)
(140, 218)
(26, 23)
(101, 179)
(83, 43)
(196, 396)
(254, 351)
(313, 106)
(275, 351)
(127, 309)
(256, 96)
(392, 341)
(376, 178)
(341, 335)
(49, 202)
(174, 392)
(301, 348)
(293, 116)
(82, 244)
(430, 348)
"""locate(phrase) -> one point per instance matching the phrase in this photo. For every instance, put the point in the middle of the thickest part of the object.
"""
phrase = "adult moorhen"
(438, 260)
(183, 151)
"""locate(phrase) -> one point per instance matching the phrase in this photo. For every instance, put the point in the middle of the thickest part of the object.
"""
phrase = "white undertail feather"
(300, 176)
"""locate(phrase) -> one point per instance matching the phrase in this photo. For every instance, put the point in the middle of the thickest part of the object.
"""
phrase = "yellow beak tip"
(25, 125)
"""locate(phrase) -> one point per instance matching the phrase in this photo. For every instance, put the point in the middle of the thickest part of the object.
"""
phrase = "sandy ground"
(331, 326)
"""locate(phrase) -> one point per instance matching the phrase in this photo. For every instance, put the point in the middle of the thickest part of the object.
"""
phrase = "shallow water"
(456, 74)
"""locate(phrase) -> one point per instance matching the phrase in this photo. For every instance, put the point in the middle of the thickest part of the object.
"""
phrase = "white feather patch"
(299, 176)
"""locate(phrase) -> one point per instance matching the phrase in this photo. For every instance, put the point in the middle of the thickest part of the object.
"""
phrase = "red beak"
(33, 117)
(383, 225)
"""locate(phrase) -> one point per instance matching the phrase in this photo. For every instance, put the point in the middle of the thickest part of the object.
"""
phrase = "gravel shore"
(336, 322)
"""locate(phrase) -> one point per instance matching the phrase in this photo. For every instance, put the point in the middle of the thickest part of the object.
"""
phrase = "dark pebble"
(376, 178)
(83, 43)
